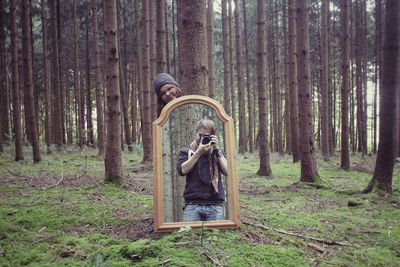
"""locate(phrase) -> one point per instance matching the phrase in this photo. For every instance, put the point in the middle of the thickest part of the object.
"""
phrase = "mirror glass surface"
(179, 132)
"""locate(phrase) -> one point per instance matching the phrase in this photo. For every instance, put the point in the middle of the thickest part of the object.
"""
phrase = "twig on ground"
(317, 248)
(261, 226)
(207, 255)
(165, 263)
(16, 174)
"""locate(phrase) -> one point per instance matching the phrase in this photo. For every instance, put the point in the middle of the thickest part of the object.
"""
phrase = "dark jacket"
(196, 190)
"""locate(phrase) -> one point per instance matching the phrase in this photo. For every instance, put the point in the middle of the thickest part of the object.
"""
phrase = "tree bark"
(4, 104)
(293, 92)
(265, 168)
(210, 47)
(227, 58)
(324, 81)
(15, 83)
(249, 89)
(146, 110)
(28, 80)
(113, 158)
(89, 120)
(383, 172)
(308, 164)
(99, 105)
(345, 47)
(192, 54)
(161, 37)
(57, 117)
(76, 80)
(240, 82)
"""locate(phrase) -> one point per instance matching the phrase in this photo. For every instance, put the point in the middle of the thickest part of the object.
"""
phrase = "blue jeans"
(203, 213)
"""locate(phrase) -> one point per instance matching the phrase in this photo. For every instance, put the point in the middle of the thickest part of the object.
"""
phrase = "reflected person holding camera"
(202, 163)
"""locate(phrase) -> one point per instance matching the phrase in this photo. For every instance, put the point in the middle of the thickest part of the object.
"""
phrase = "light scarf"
(212, 176)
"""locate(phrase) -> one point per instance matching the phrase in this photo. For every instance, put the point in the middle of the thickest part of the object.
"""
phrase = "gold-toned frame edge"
(158, 186)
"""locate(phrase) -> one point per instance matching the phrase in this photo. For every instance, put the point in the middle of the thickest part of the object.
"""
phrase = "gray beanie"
(162, 79)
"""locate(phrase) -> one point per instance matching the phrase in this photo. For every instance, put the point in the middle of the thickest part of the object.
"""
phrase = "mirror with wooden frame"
(173, 130)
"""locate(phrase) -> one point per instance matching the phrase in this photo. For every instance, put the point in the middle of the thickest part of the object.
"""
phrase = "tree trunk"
(293, 92)
(265, 168)
(308, 164)
(15, 84)
(99, 105)
(113, 160)
(76, 81)
(57, 125)
(89, 121)
(383, 173)
(146, 110)
(4, 104)
(28, 80)
(232, 65)
(248, 79)
(240, 82)
(46, 79)
(345, 47)
(227, 58)
(324, 81)
(192, 54)
(210, 47)
(153, 61)
(161, 37)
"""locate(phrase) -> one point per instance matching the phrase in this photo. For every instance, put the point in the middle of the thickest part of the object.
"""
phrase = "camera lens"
(206, 139)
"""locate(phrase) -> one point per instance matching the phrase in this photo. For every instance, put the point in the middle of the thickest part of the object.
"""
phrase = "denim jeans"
(203, 213)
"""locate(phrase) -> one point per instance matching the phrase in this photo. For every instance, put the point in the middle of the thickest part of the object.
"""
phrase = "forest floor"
(60, 213)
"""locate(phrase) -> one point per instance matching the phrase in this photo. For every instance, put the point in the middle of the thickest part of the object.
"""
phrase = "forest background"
(303, 80)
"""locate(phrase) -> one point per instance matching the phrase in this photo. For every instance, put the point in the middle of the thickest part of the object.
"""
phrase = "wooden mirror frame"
(158, 185)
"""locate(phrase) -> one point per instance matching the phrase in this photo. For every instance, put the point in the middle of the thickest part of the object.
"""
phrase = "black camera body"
(206, 139)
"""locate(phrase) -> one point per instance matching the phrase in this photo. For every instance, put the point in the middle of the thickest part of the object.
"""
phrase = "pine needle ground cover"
(60, 213)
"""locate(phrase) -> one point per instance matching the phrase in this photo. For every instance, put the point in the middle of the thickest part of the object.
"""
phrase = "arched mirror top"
(192, 99)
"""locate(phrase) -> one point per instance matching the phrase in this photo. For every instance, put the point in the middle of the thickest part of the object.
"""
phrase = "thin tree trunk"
(28, 80)
(294, 107)
(98, 83)
(161, 37)
(153, 61)
(46, 79)
(324, 81)
(232, 65)
(240, 82)
(76, 81)
(248, 79)
(345, 25)
(15, 84)
(146, 111)
(57, 122)
(227, 58)
(4, 104)
(383, 173)
(308, 164)
(210, 47)
(89, 121)
(113, 158)
(265, 168)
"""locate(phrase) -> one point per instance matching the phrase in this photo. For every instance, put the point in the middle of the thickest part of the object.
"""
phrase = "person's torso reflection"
(203, 163)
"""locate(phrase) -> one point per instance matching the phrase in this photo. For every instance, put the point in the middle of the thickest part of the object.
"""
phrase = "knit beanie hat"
(162, 79)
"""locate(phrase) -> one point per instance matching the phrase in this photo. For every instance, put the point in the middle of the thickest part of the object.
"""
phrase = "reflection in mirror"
(177, 133)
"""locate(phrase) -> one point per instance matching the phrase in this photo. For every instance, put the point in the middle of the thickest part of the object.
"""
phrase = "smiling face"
(168, 92)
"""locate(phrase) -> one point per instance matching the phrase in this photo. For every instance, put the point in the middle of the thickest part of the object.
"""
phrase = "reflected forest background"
(312, 87)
